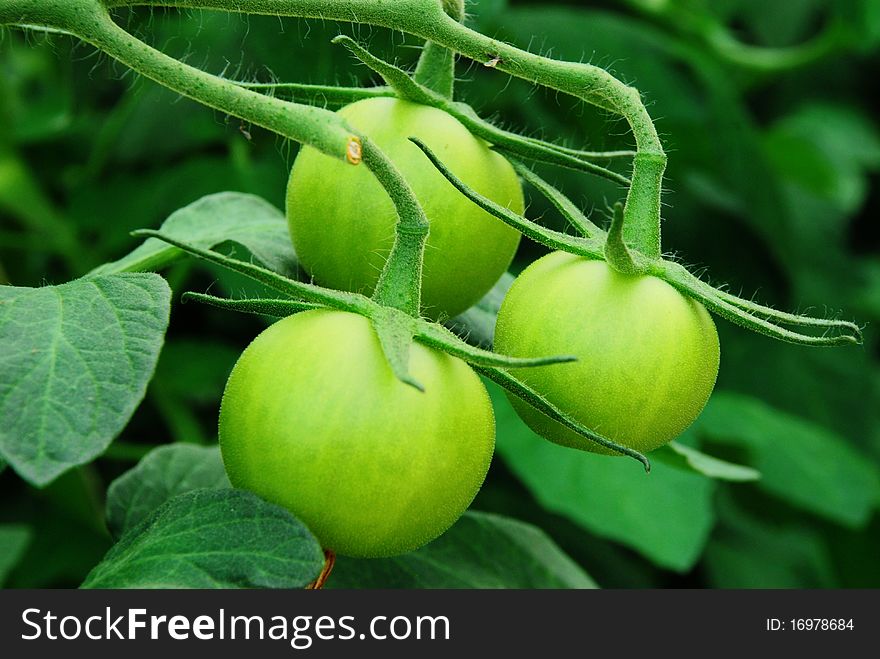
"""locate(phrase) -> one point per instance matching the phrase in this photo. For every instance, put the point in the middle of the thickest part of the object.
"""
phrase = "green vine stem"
(400, 283)
(689, 20)
(321, 95)
(423, 18)
(90, 21)
(503, 141)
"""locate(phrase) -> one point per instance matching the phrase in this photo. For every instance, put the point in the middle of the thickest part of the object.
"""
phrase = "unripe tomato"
(313, 419)
(342, 222)
(647, 355)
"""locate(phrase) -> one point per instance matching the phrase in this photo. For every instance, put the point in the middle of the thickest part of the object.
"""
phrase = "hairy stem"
(436, 69)
(428, 20)
(321, 95)
(400, 283)
(88, 20)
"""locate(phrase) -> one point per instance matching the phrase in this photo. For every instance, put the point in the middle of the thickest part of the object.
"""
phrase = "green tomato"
(314, 420)
(647, 355)
(342, 222)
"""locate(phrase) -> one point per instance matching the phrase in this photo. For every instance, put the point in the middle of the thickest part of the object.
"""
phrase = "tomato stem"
(436, 69)
(400, 283)
(323, 95)
(410, 89)
(428, 19)
(329, 562)
(399, 286)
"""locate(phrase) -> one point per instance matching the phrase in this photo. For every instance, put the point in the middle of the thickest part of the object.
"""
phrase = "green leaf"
(688, 458)
(36, 90)
(75, 364)
(63, 546)
(481, 551)
(14, 539)
(226, 216)
(212, 539)
(836, 389)
(826, 149)
(749, 551)
(805, 464)
(118, 198)
(164, 473)
(665, 515)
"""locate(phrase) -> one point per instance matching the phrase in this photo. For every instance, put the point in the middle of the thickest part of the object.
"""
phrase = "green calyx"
(395, 329)
(612, 246)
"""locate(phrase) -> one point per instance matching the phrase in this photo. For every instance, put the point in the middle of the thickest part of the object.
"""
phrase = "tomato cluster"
(313, 417)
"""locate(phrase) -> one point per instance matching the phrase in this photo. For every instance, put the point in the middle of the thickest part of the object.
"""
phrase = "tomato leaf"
(688, 458)
(803, 463)
(212, 539)
(245, 219)
(750, 551)
(828, 150)
(665, 515)
(481, 550)
(164, 473)
(76, 362)
(14, 540)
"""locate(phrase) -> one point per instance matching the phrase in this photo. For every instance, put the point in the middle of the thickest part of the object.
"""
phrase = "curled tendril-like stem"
(260, 306)
(289, 287)
(757, 318)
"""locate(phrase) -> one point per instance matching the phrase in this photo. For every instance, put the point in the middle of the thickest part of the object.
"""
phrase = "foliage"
(771, 185)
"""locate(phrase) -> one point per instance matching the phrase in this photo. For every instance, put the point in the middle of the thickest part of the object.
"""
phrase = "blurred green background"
(770, 119)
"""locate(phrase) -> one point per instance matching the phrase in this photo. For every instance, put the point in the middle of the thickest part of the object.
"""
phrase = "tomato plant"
(314, 419)
(361, 421)
(342, 221)
(647, 355)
